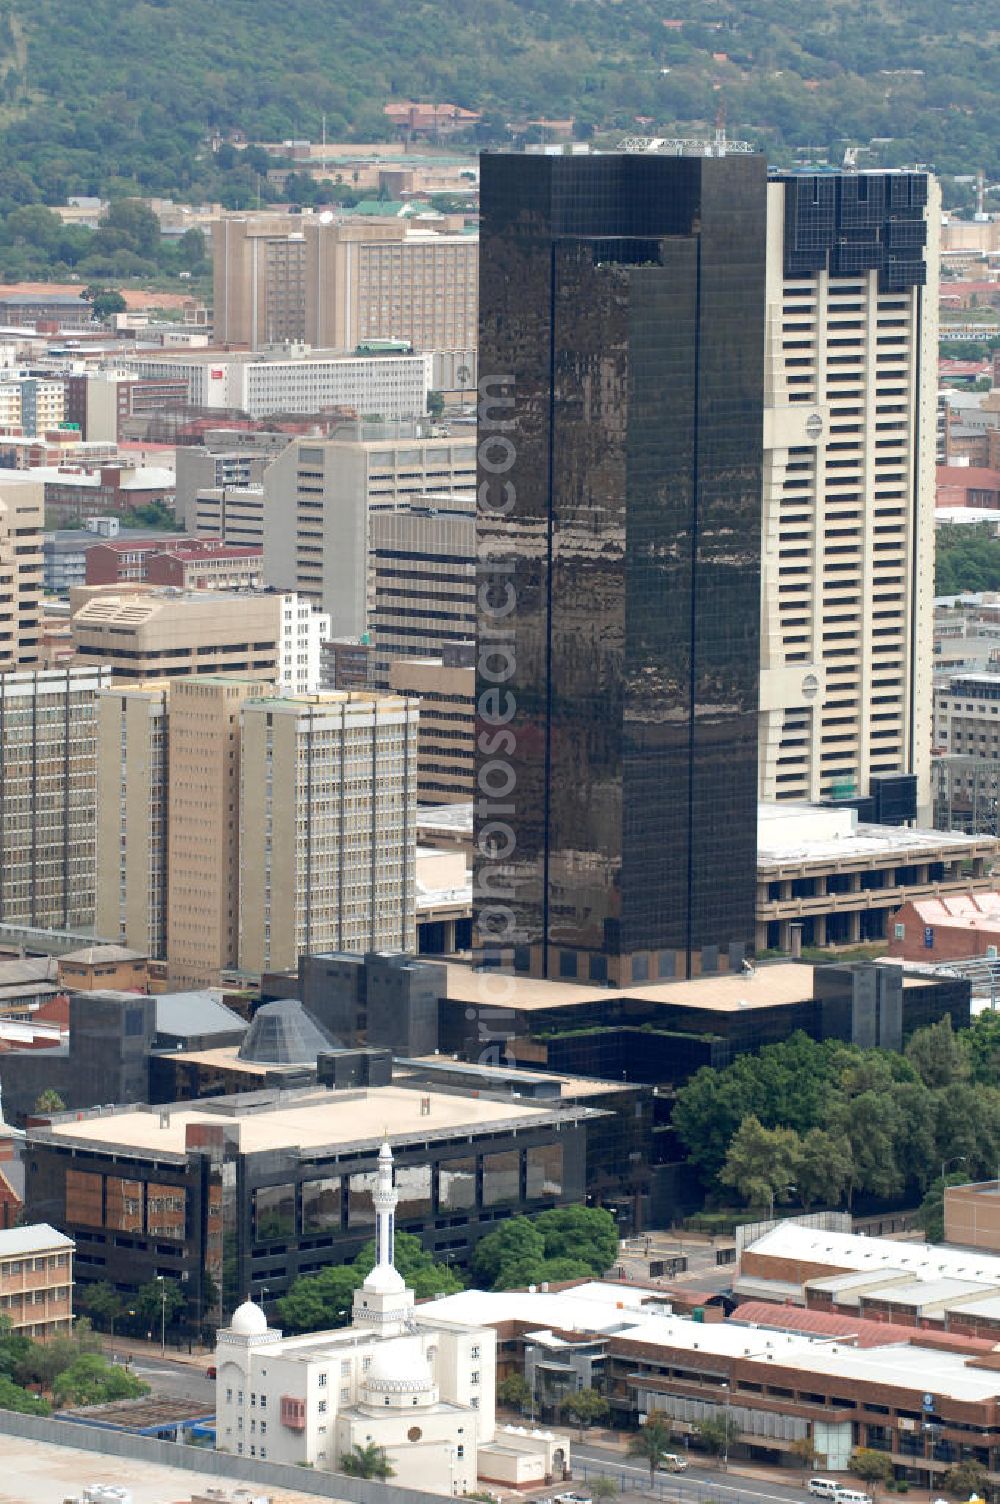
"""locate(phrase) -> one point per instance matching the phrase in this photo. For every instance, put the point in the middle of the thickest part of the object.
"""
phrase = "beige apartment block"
(48, 795)
(421, 578)
(319, 497)
(328, 826)
(336, 285)
(235, 514)
(36, 1281)
(170, 633)
(132, 816)
(848, 523)
(22, 517)
(446, 740)
(203, 827)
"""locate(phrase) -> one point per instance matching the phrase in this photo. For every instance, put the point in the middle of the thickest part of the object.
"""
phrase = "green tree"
(423, 1276)
(602, 1488)
(106, 301)
(824, 1167)
(652, 1443)
(937, 1054)
(104, 1303)
(92, 1380)
(718, 1433)
(160, 1300)
(367, 1462)
(153, 514)
(49, 1101)
(803, 1448)
(585, 1407)
(14, 1349)
(586, 1234)
(965, 1479)
(13, 1397)
(129, 225)
(981, 1042)
(435, 404)
(192, 250)
(784, 1085)
(316, 1302)
(515, 1392)
(42, 1362)
(326, 1299)
(514, 1242)
(871, 1124)
(870, 1466)
(760, 1162)
(553, 1271)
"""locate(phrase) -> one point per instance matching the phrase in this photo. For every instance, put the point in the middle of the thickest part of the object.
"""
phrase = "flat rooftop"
(492, 1077)
(792, 834)
(782, 983)
(39, 1472)
(223, 1057)
(456, 817)
(847, 1251)
(312, 1120)
(632, 1316)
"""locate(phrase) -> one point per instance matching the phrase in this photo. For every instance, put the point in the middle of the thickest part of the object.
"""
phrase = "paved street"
(170, 1378)
(699, 1483)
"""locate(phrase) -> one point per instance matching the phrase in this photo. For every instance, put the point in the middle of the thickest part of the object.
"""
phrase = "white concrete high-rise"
(848, 518)
(304, 629)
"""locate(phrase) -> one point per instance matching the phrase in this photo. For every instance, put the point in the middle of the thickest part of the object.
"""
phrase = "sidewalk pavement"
(135, 1348)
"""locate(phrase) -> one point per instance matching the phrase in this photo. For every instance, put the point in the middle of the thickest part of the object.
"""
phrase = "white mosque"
(421, 1387)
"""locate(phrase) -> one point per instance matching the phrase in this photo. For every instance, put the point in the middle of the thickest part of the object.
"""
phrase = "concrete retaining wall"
(266, 1475)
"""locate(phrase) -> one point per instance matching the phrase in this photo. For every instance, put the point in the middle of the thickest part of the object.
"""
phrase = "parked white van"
(824, 1488)
(851, 1496)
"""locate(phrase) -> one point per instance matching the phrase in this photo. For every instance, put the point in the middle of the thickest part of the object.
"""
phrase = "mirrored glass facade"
(618, 540)
(274, 1213)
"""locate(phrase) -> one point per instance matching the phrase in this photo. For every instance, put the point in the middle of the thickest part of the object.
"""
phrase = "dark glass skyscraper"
(621, 425)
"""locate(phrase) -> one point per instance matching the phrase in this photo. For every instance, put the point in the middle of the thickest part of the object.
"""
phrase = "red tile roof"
(974, 477)
(865, 1333)
(973, 911)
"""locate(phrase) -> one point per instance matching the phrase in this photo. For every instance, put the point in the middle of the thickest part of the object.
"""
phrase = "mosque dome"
(399, 1366)
(248, 1320)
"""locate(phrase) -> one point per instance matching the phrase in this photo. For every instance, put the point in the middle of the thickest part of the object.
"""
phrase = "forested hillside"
(103, 94)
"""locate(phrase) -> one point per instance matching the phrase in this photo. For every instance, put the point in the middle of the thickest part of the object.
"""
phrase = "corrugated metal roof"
(195, 1013)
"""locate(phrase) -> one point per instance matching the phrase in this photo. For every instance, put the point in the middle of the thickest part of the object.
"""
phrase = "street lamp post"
(785, 1191)
(725, 1420)
(163, 1315)
(956, 1159)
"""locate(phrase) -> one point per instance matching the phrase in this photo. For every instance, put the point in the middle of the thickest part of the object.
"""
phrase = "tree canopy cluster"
(70, 1369)
(569, 1242)
(967, 558)
(34, 242)
(162, 75)
(318, 1301)
(812, 1123)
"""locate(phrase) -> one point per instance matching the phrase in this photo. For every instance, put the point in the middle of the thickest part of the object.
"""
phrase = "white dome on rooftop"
(248, 1320)
(399, 1364)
